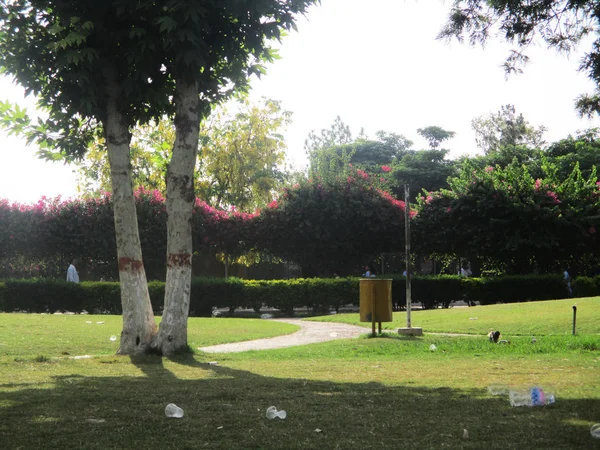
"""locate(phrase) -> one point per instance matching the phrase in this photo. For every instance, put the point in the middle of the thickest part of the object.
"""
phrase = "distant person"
(72, 274)
(368, 273)
(465, 271)
(568, 281)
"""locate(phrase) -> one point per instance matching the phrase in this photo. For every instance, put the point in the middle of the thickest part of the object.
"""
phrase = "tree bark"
(139, 327)
(172, 334)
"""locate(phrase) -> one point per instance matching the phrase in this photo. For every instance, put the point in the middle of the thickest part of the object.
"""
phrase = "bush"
(513, 289)
(586, 286)
(316, 294)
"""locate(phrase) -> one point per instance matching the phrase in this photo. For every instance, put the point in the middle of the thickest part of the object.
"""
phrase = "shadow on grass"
(225, 408)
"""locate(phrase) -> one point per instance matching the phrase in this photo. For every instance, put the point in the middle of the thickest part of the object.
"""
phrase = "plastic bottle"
(595, 430)
(534, 396)
(172, 410)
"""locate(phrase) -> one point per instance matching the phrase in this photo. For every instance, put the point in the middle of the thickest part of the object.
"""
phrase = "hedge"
(315, 294)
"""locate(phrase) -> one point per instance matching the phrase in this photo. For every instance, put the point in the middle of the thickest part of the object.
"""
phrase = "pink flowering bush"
(334, 226)
(507, 217)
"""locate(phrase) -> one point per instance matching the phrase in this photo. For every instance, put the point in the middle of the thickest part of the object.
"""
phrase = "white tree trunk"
(172, 335)
(139, 327)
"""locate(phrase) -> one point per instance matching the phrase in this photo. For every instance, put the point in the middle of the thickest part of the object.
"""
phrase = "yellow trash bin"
(375, 301)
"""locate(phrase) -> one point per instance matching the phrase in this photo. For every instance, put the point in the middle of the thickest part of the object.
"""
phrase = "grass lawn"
(390, 392)
(554, 317)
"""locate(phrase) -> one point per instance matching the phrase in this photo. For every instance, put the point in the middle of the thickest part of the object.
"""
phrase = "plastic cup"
(272, 413)
(174, 411)
(113, 338)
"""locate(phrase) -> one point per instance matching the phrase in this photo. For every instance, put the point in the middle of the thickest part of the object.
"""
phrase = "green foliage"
(503, 129)
(332, 227)
(513, 289)
(435, 135)
(315, 294)
(506, 216)
(586, 286)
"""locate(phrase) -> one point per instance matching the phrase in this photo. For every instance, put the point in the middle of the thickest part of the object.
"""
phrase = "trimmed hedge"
(316, 294)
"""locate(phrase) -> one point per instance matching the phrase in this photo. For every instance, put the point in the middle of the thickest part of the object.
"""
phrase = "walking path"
(309, 333)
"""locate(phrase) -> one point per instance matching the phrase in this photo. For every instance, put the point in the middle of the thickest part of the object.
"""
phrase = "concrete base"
(410, 331)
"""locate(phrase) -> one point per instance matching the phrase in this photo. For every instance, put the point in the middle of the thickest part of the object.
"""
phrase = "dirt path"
(309, 333)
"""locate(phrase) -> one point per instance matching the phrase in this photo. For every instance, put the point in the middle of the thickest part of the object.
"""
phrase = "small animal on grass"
(494, 336)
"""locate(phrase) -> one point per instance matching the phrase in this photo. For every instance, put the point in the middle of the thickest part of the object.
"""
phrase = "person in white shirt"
(72, 274)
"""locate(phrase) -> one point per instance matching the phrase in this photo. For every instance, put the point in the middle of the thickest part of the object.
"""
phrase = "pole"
(574, 318)
(407, 256)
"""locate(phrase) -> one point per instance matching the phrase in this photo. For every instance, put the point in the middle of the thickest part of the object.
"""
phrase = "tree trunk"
(139, 327)
(172, 335)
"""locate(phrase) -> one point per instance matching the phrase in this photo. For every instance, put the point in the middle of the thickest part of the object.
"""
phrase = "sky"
(379, 66)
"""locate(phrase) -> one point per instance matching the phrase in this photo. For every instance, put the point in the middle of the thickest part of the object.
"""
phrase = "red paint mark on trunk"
(179, 260)
(130, 265)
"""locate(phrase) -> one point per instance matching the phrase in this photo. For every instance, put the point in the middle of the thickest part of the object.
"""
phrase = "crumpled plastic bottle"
(534, 396)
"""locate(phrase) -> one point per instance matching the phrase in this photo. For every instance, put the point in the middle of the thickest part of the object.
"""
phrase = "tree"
(560, 24)
(238, 164)
(423, 169)
(435, 135)
(363, 153)
(151, 146)
(504, 128)
(338, 134)
(156, 58)
(241, 156)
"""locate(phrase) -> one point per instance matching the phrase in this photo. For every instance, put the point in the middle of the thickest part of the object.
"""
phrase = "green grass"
(62, 335)
(553, 317)
(390, 392)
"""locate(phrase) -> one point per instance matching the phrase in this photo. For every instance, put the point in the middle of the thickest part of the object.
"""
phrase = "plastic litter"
(498, 389)
(266, 316)
(465, 433)
(113, 338)
(473, 318)
(95, 420)
(272, 413)
(334, 334)
(534, 396)
(88, 321)
(595, 430)
(533, 340)
(318, 430)
(432, 347)
(100, 323)
(213, 363)
(173, 411)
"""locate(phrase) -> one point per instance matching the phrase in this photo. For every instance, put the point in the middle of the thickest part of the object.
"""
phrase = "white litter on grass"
(334, 334)
(213, 363)
(81, 357)
(95, 420)
(432, 347)
(473, 318)
(318, 430)
(220, 428)
(99, 323)
(465, 433)
(88, 321)
(113, 338)
(266, 316)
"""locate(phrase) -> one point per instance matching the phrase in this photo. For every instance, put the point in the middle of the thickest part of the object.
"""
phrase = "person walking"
(72, 274)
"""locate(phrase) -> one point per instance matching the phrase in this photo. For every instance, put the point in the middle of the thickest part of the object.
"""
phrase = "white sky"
(378, 65)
